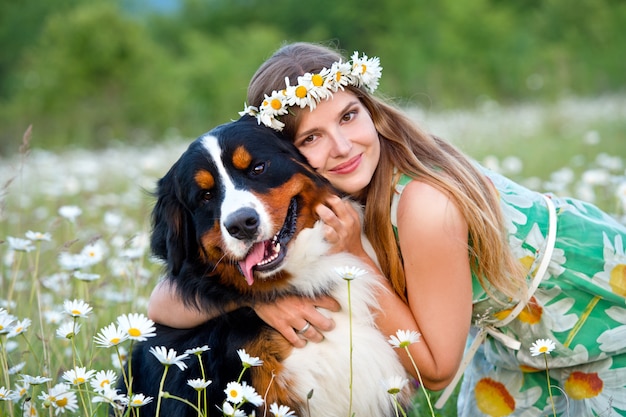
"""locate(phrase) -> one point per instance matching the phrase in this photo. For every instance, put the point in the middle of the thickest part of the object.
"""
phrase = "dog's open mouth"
(269, 254)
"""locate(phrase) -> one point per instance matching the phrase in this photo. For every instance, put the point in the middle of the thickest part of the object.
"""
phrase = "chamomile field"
(76, 270)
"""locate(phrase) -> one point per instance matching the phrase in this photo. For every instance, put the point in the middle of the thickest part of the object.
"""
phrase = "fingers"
(298, 319)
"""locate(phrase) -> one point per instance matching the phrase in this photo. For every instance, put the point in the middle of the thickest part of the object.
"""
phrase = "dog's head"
(229, 208)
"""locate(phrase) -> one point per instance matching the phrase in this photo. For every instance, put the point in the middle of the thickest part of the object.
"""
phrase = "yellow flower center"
(61, 402)
(338, 76)
(528, 369)
(79, 380)
(493, 399)
(531, 314)
(105, 382)
(580, 385)
(134, 332)
(115, 340)
(527, 261)
(137, 401)
(301, 91)
(76, 312)
(363, 69)
(233, 393)
(276, 104)
(618, 280)
(317, 80)
(543, 349)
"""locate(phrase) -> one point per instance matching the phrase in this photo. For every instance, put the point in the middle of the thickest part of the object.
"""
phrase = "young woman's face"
(340, 141)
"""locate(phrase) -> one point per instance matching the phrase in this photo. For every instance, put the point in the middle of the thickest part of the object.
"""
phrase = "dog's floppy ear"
(170, 224)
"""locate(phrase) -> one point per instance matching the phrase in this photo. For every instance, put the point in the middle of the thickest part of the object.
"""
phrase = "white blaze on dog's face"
(246, 194)
(238, 208)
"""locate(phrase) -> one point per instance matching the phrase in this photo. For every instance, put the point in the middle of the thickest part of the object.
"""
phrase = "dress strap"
(493, 329)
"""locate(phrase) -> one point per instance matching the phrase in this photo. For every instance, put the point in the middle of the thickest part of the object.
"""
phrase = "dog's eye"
(258, 169)
(207, 195)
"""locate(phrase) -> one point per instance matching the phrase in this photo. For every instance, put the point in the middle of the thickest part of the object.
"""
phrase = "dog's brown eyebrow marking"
(241, 158)
(204, 179)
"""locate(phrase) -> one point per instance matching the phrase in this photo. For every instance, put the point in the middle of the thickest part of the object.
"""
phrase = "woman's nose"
(341, 145)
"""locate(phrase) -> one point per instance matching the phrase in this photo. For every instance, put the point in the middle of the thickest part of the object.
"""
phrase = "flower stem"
(158, 408)
(351, 346)
(419, 377)
(545, 356)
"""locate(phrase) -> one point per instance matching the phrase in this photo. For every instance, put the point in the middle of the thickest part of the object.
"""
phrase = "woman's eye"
(258, 169)
(348, 116)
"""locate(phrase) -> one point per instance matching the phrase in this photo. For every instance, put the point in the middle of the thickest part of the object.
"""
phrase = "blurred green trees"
(88, 72)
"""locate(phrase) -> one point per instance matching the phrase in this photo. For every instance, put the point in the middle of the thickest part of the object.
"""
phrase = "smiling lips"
(348, 166)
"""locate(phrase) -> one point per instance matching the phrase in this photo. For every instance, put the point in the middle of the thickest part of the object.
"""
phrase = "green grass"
(532, 144)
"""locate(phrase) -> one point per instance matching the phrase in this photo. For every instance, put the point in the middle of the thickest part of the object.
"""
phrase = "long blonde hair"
(410, 150)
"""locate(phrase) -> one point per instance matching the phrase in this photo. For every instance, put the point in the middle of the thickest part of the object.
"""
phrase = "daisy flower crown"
(313, 88)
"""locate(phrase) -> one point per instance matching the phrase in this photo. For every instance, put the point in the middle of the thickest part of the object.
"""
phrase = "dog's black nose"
(243, 224)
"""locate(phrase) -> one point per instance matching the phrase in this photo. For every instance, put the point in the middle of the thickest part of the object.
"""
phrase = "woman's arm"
(433, 241)
(433, 237)
(286, 315)
(165, 307)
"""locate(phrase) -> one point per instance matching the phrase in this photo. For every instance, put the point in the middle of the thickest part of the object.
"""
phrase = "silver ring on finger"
(305, 328)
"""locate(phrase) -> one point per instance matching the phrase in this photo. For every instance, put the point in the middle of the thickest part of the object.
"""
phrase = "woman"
(449, 237)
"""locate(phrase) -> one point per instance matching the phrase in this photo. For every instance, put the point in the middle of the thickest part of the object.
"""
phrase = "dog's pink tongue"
(253, 258)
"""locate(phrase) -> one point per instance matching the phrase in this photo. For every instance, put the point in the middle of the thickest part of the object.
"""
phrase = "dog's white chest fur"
(354, 357)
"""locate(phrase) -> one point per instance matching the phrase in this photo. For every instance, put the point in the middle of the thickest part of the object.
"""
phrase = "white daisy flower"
(137, 326)
(229, 411)
(102, 380)
(198, 350)
(110, 336)
(250, 394)
(404, 338)
(247, 360)
(169, 357)
(19, 327)
(139, 400)
(68, 330)
(84, 276)
(299, 95)
(6, 394)
(38, 236)
(35, 380)
(395, 384)
(542, 346)
(339, 75)
(281, 410)
(315, 85)
(70, 212)
(93, 252)
(368, 70)
(110, 396)
(78, 376)
(249, 110)
(234, 392)
(198, 384)
(350, 272)
(77, 308)
(16, 369)
(61, 398)
(20, 245)
(6, 321)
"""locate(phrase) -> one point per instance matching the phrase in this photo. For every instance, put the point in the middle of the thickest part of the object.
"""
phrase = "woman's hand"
(342, 226)
(292, 314)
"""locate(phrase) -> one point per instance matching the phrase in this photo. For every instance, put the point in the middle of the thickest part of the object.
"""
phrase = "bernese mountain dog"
(235, 224)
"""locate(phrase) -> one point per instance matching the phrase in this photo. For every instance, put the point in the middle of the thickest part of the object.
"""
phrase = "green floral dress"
(580, 304)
